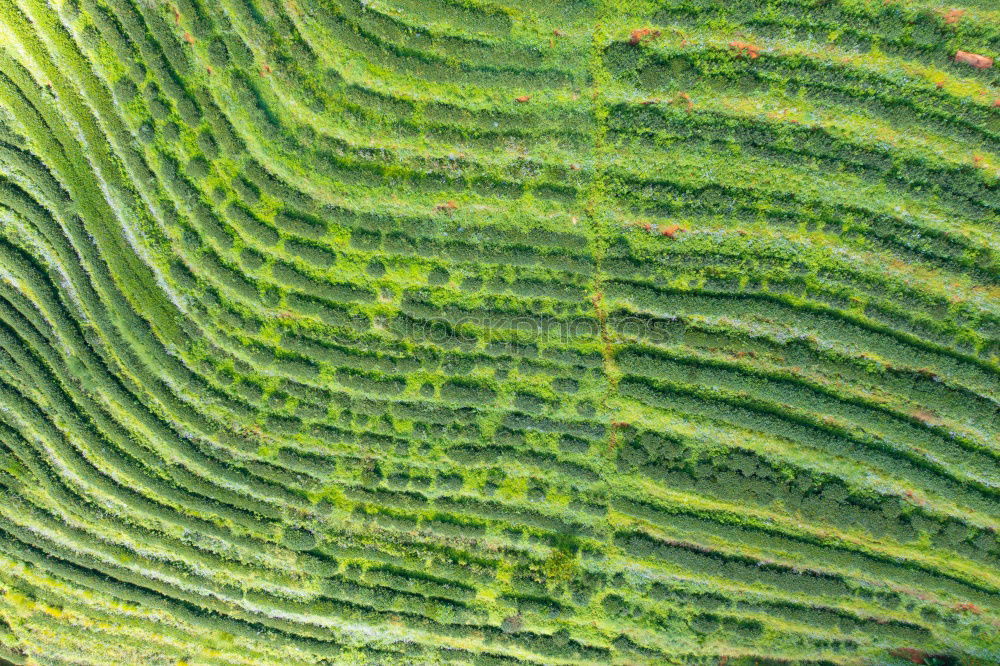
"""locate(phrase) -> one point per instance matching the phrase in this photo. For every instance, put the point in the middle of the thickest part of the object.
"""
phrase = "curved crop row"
(455, 331)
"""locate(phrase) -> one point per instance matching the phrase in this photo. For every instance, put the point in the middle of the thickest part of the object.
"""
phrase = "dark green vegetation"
(455, 331)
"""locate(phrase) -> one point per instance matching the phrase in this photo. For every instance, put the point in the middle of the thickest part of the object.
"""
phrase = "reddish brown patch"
(615, 427)
(996, 103)
(265, 70)
(977, 160)
(745, 49)
(672, 231)
(910, 654)
(639, 34)
(919, 501)
(939, 85)
(558, 33)
(247, 430)
(574, 167)
(208, 68)
(921, 657)
(951, 17)
(647, 102)
(965, 606)
(189, 38)
(974, 59)
(684, 97)
(522, 99)
(446, 206)
(177, 16)
(647, 226)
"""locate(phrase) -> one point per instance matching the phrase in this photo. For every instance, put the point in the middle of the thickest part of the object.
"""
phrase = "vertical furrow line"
(597, 204)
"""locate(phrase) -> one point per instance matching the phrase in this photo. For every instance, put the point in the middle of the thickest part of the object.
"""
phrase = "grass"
(460, 331)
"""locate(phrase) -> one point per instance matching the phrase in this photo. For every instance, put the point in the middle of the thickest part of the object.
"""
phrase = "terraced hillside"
(461, 332)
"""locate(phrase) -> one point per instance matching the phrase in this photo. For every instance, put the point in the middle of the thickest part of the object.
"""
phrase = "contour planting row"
(413, 332)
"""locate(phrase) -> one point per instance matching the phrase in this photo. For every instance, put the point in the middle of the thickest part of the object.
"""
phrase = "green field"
(489, 332)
